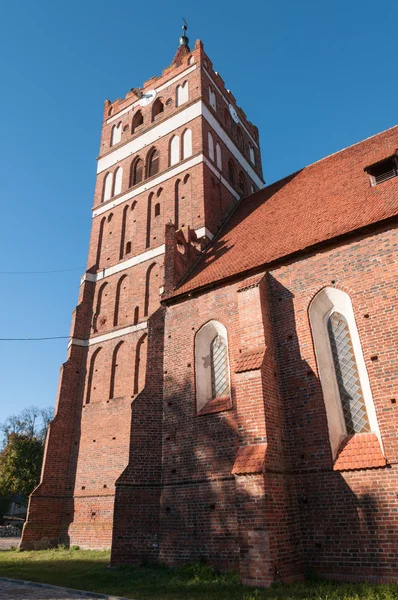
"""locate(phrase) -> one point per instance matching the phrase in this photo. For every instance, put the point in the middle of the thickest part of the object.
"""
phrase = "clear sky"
(314, 76)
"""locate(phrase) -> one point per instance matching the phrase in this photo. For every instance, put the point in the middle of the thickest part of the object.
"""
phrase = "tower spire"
(184, 40)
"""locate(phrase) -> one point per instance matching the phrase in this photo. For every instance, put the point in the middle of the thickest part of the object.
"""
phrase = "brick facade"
(248, 481)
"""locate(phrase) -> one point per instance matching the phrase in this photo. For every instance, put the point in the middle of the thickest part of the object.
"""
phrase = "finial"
(184, 41)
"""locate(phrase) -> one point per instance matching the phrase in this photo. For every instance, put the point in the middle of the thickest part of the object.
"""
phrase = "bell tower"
(180, 150)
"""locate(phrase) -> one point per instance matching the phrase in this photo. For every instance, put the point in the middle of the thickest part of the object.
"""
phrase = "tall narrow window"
(212, 98)
(153, 162)
(116, 134)
(138, 120)
(91, 387)
(187, 144)
(219, 367)
(341, 365)
(211, 363)
(136, 171)
(157, 108)
(242, 183)
(210, 143)
(349, 384)
(240, 137)
(115, 372)
(100, 240)
(177, 203)
(218, 156)
(231, 172)
(108, 185)
(121, 300)
(118, 181)
(174, 150)
(182, 93)
(252, 156)
(149, 221)
(123, 232)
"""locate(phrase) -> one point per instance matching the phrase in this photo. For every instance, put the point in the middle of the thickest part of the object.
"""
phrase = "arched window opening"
(227, 119)
(240, 137)
(218, 156)
(191, 60)
(187, 144)
(108, 185)
(149, 220)
(177, 203)
(91, 375)
(182, 93)
(140, 364)
(138, 120)
(117, 188)
(174, 150)
(100, 239)
(252, 156)
(211, 363)
(123, 232)
(157, 209)
(150, 274)
(116, 134)
(157, 108)
(341, 365)
(136, 171)
(153, 162)
(120, 288)
(231, 172)
(219, 367)
(136, 315)
(99, 320)
(212, 98)
(110, 111)
(128, 248)
(114, 370)
(349, 384)
(242, 183)
(210, 143)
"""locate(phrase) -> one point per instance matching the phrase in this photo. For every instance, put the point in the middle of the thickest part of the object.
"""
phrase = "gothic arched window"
(158, 108)
(153, 162)
(136, 171)
(218, 156)
(138, 120)
(219, 367)
(231, 172)
(187, 143)
(348, 381)
(242, 183)
(341, 366)
(210, 143)
(117, 186)
(108, 185)
(174, 150)
(116, 134)
(211, 363)
(182, 93)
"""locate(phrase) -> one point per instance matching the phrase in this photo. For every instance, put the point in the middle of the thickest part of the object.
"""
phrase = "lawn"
(89, 570)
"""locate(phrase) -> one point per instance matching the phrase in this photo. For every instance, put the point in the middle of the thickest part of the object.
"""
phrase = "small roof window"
(383, 170)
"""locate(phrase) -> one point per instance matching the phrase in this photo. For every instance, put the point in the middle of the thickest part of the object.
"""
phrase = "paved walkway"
(7, 542)
(20, 590)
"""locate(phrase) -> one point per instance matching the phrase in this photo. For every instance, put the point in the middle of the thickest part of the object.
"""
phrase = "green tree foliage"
(20, 465)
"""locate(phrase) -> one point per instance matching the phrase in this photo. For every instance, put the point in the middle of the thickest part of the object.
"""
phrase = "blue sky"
(314, 76)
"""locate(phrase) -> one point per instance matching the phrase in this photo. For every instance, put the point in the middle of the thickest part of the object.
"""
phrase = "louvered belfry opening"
(384, 170)
(219, 368)
(346, 369)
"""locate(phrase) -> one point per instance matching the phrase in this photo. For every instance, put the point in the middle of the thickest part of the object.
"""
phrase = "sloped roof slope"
(322, 201)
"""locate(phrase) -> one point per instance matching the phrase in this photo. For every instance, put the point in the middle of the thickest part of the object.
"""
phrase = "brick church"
(231, 387)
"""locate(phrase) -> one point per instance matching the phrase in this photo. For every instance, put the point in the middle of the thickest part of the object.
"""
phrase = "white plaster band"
(108, 336)
(157, 89)
(204, 232)
(188, 164)
(150, 137)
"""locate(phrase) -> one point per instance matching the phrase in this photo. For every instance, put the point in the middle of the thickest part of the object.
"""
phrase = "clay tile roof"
(250, 283)
(327, 199)
(249, 460)
(249, 360)
(359, 451)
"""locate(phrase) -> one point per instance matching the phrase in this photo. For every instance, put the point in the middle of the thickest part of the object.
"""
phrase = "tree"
(20, 465)
(31, 422)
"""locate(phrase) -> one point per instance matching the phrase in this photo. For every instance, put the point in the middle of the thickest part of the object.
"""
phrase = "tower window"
(157, 209)
(212, 98)
(384, 170)
(187, 143)
(242, 183)
(210, 143)
(252, 156)
(182, 93)
(174, 150)
(157, 108)
(227, 119)
(138, 120)
(231, 172)
(240, 137)
(137, 171)
(218, 156)
(153, 162)
(116, 134)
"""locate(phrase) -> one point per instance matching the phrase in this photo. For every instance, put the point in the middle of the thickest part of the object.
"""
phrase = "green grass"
(89, 570)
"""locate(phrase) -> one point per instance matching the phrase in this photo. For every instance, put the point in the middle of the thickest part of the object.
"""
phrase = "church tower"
(178, 150)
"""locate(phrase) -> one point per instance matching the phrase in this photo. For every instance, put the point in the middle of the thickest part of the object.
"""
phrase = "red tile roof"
(318, 203)
(250, 459)
(359, 451)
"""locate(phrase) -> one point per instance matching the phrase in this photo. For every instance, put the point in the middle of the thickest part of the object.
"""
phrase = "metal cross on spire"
(184, 41)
